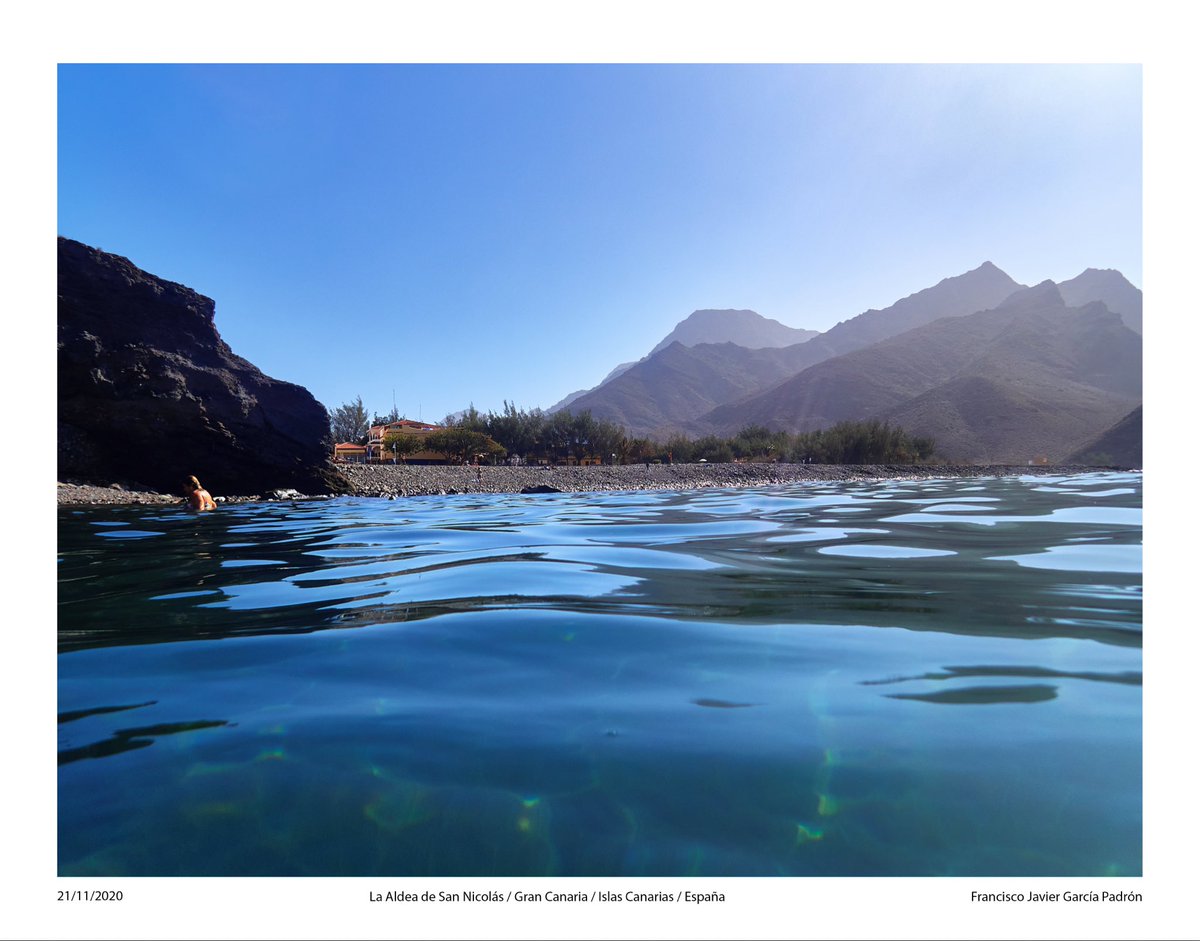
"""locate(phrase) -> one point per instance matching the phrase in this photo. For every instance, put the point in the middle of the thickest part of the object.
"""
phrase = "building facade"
(378, 452)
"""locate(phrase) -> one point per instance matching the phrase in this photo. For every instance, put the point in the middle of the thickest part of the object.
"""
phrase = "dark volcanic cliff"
(149, 392)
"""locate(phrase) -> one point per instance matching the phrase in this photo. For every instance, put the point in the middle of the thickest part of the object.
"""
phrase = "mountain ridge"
(1111, 287)
(1030, 374)
(657, 396)
(624, 399)
(991, 368)
(745, 328)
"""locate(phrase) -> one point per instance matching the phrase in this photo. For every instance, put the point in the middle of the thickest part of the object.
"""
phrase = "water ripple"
(755, 556)
(893, 678)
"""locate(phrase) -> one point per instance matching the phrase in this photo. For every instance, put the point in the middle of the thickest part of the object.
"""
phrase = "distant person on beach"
(198, 498)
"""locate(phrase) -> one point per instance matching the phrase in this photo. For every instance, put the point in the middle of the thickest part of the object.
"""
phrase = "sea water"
(930, 677)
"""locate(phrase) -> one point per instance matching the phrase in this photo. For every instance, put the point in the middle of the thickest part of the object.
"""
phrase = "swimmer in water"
(198, 498)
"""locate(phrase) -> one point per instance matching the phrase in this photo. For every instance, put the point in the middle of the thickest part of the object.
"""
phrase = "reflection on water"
(508, 684)
(127, 739)
(977, 695)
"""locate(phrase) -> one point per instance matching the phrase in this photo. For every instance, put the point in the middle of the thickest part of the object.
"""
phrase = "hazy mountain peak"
(978, 289)
(985, 271)
(1111, 273)
(1111, 287)
(1045, 294)
(1091, 281)
(744, 327)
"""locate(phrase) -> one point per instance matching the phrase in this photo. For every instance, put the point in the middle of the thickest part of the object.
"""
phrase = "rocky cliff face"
(149, 392)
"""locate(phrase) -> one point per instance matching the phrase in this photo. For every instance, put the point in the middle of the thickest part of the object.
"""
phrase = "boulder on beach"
(149, 392)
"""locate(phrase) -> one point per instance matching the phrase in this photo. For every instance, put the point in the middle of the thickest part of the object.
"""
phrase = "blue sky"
(450, 234)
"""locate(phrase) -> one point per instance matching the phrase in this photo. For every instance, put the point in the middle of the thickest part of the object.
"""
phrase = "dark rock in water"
(148, 390)
(540, 488)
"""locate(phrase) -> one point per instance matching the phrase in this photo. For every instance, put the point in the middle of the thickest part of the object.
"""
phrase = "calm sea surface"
(894, 678)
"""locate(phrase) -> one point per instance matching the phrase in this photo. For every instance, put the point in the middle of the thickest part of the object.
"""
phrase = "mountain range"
(743, 328)
(991, 369)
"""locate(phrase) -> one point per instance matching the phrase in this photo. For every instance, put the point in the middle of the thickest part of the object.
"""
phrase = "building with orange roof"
(349, 452)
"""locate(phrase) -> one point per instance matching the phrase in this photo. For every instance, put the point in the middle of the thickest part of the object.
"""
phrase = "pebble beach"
(401, 480)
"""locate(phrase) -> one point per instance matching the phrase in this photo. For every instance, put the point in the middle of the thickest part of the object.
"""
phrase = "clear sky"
(454, 234)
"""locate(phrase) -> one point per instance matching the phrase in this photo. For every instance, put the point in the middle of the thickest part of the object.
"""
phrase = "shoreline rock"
(400, 480)
(148, 389)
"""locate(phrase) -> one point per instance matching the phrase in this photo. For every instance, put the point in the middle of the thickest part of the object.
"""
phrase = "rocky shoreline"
(390, 481)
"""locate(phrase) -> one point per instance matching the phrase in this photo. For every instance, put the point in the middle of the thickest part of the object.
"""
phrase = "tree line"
(535, 436)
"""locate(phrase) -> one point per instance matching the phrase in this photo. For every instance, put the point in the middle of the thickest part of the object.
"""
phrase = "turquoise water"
(893, 678)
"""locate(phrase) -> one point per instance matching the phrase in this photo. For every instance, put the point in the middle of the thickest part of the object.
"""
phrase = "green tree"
(712, 449)
(582, 435)
(557, 436)
(349, 422)
(460, 445)
(491, 451)
(924, 447)
(642, 450)
(470, 419)
(518, 431)
(403, 445)
(866, 442)
(758, 441)
(392, 416)
(606, 440)
(680, 449)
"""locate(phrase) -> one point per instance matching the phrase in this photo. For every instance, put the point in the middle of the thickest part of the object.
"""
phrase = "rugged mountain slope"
(148, 391)
(1030, 377)
(991, 420)
(981, 288)
(744, 328)
(1120, 445)
(566, 401)
(658, 395)
(861, 383)
(1110, 287)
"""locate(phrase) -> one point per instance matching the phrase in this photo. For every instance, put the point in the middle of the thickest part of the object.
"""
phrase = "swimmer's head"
(192, 484)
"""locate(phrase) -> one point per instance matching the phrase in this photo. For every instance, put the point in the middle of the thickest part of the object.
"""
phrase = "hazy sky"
(454, 234)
